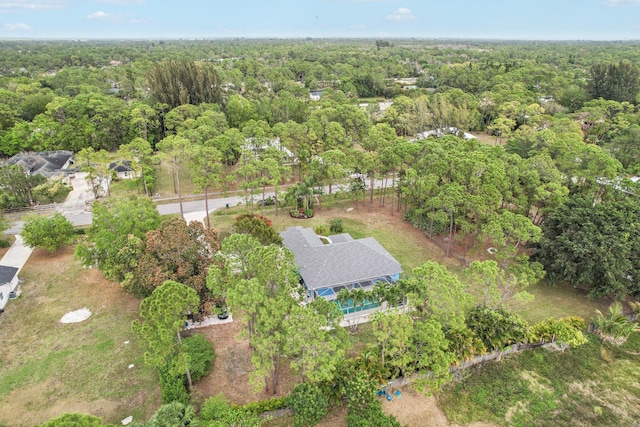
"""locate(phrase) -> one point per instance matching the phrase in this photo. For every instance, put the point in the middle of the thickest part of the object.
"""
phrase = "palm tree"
(614, 328)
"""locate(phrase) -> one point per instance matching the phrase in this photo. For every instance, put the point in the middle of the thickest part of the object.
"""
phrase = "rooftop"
(46, 163)
(345, 260)
(7, 274)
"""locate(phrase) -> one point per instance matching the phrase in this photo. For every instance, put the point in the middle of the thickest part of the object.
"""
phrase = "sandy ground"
(412, 409)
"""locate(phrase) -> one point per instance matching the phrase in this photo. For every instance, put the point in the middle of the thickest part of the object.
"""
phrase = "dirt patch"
(413, 409)
(230, 372)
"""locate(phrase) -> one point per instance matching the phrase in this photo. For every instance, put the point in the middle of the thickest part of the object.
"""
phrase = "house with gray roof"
(46, 163)
(339, 262)
(8, 284)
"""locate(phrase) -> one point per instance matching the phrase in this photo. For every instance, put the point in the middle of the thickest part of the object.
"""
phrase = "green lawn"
(592, 385)
(49, 368)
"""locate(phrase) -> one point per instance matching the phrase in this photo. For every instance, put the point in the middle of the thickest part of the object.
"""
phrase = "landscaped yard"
(50, 368)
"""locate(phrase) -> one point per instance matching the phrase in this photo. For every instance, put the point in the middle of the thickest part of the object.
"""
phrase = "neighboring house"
(315, 95)
(46, 163)
(123, 169)
(339, 263)
(257, 145)
(8, 284)
(439, 133)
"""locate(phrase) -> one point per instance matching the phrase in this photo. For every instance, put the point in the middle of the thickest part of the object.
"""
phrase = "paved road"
(77, 211)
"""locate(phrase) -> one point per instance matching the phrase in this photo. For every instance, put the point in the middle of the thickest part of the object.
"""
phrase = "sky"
(187, 19)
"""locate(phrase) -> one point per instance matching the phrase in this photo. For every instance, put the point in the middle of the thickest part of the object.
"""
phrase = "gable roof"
(344, 261)
(121, 166)
(45, 163)
(7, 274)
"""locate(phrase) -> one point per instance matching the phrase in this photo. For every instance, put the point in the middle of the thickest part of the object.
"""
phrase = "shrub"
(74, 420)
(174, 414)
(201, 355)
(567, 330)
(308, 403)
(322, 230)
(218, 412)
(262, 406)
(497, 328)
(4, 243)
(335, 226)
(172, 387)
(615, 327)
(371, 415)
(308, 213)
(257, 226)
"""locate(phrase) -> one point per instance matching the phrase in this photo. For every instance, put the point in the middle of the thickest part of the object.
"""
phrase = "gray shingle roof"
(344, 261)
(45, 163)
(7, 273)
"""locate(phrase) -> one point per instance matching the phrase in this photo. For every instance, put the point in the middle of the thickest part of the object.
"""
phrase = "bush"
(4, 243)
(615, 327)
(567, 330)
(201, 355)
(262, 406)
(218, 412)
(74, 420)
(497, 328)
(49, 233)
(172, 387)
(309, 404)
(321, 230)
(335, 226)
(174, 414)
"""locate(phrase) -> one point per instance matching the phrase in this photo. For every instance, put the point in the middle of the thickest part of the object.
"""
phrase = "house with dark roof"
(329, 264)
(46, 163)
(123, 169)
(8, 284)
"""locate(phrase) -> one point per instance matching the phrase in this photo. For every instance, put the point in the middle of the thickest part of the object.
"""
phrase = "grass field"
(591, 385)
(50, 368)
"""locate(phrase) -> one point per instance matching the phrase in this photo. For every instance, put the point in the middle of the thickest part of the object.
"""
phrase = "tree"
(175, 149)
(312, 347)
(174, 251)
(593, 244)
(52, 190)
(436, 292)
(619, 82)
(393, 333)
(258, 227)
(17, 186)
(115, 238)
(164, 314)
(50, 233)
(96, 164)
(139, 153)
(184, 82)
(207, 171)
(429, 349)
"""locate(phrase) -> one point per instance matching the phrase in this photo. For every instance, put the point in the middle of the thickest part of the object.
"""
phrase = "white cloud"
(403, 14)
(619, 2)
(18, 26)
(14, 6)
(115, 18)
